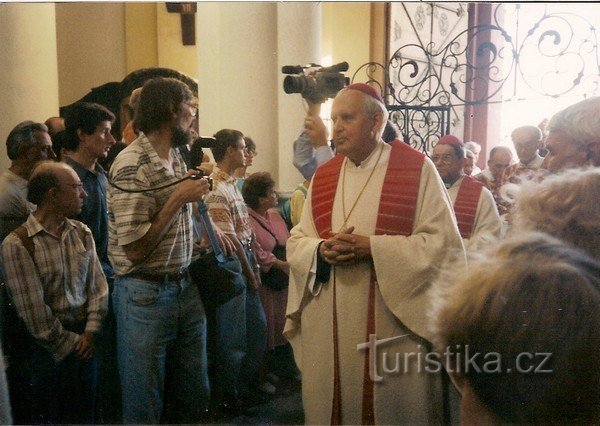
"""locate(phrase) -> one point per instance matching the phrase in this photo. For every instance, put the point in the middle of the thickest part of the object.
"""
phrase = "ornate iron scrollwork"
(559, 54)
(556, 55)
(420, 126)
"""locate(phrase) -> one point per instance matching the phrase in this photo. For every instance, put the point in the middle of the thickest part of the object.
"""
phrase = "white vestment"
(405, 267)
(487, 224)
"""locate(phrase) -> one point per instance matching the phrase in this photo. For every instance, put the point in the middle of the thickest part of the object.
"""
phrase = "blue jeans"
(161, 347)
(240, 338)
(256, 335)
(256, 340)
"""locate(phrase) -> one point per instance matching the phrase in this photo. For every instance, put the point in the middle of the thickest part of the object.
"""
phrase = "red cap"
(367, 90)
(451, 140)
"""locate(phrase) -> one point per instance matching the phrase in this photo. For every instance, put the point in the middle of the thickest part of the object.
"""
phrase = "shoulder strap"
(26, 240)
(325, 181)
(268, 230)
(81, 232)
(400, 191)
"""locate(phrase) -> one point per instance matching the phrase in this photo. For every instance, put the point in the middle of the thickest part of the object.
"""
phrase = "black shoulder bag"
(275, 279)
(218, 277)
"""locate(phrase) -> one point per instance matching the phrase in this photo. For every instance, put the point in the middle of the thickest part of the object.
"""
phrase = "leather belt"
(158, 278)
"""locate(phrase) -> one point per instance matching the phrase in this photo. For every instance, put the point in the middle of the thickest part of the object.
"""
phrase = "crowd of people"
(382, 256)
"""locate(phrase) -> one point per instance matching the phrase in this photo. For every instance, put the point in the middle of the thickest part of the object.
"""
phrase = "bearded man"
(161, 323)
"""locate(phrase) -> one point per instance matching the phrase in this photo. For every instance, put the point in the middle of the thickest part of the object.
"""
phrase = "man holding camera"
(358, 276)
(161, 323)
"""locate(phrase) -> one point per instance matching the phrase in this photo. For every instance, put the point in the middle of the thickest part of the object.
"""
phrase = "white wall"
(241, 47)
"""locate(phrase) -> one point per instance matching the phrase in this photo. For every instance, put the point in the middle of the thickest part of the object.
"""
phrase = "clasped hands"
(345, 248)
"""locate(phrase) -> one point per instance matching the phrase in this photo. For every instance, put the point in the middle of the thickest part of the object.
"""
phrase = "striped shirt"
(130, 214)
(227, 208)
(62, 286)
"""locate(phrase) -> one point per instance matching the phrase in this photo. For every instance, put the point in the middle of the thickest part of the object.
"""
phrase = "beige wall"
(170, 49)
(346, 33)
(28, 87)
(237, 61)
(91, 47)
(141, 42)
(299, 42)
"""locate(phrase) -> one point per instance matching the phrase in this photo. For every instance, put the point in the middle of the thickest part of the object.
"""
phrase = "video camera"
(314, 82)
(206, 141)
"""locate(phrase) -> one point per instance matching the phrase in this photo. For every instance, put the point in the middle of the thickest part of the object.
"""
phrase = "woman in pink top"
(271, 235)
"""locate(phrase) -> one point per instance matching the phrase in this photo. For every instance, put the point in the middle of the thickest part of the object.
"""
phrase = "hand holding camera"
(316, 130)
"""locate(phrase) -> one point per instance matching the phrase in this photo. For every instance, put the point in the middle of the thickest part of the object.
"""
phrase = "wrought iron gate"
(427, 84)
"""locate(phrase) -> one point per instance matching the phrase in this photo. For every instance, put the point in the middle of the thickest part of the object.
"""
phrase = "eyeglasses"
(193, 110)
(75, 185)
(446, 158)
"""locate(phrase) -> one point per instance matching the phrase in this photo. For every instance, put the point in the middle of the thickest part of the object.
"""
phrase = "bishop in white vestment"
(376, 226)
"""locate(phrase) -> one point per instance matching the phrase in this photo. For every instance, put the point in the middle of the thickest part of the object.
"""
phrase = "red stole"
(465, 206)
(395, 216)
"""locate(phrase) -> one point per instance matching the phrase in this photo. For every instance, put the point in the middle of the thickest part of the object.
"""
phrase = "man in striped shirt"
(60, 294)
(161, 324)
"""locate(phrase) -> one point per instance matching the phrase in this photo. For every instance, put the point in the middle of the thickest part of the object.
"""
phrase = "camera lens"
(294, 84)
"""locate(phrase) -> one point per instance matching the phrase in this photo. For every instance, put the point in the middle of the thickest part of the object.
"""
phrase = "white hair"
(372, 106)
(579, 121)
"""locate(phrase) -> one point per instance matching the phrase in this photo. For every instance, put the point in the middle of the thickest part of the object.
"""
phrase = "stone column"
(28, 69)
(241, 48)
(299, 43)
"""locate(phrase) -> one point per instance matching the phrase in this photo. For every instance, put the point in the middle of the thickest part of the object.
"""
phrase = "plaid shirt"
(227, 208)
(62, 285)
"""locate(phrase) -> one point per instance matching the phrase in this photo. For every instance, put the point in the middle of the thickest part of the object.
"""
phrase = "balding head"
(526, 140)
(56, 184)
(500, 159)
(55, 125)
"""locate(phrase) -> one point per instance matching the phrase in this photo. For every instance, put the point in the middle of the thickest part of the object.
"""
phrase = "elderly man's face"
(498, 163)
(70, 194)
(447, 164)
(563, 152)
(42, 149)
(469, 165)
(352, 128)
(526, 147)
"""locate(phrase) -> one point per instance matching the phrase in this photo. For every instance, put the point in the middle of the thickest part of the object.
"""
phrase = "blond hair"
(565, 206)
(533, 295)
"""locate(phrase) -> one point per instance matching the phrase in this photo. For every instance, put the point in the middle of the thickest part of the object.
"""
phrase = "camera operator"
(161, 323)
